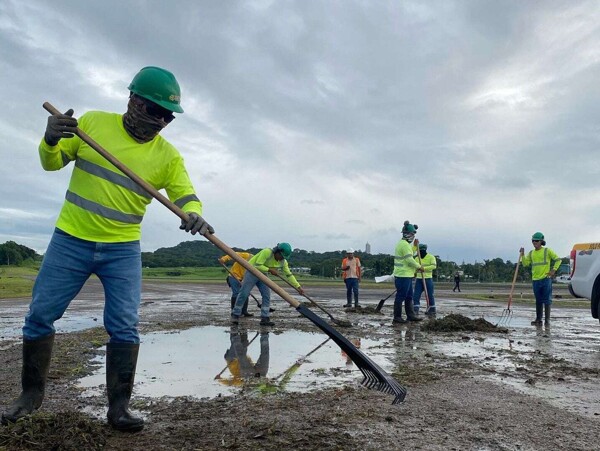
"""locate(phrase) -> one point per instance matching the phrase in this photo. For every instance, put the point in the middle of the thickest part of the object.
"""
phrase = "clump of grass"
(64, 431)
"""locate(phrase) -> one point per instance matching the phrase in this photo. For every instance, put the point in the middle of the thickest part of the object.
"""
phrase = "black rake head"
(375, 377)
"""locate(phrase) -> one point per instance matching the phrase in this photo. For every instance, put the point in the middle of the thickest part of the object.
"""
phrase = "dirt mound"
(65, 431)
(368, 310)
(460, 323)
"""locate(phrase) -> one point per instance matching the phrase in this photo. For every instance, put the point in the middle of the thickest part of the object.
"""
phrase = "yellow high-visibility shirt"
(265, 260)
(102, 204)
(429, 264)
(237, 270)
(541, 261)
(404, 263)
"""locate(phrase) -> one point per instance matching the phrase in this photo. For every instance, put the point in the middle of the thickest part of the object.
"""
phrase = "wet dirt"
(527, 388)
(455, 322)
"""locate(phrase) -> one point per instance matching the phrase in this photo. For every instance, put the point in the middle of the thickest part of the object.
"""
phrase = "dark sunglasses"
(535, 241)
(156, 110)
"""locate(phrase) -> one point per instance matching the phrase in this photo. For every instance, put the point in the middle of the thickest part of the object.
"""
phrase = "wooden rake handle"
(423, 276)
(512, 287)
(178, 211)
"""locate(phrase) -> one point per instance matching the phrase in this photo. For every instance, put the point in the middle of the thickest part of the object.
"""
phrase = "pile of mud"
(459, 323)
(65, 431)
(367, 310)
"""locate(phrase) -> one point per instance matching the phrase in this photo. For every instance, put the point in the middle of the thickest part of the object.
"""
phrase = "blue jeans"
(351, 288)
(68, 263)
(419, 291)
(542, 289)
(235, 286)
(404, 292)
(249, 281)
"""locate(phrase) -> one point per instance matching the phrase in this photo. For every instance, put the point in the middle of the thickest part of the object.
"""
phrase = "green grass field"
(16, 281)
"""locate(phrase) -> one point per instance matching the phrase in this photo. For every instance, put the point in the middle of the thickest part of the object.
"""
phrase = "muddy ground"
(525, 388)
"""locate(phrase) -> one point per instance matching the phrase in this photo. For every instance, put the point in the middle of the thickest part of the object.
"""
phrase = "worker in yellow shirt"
(405, 267)
(429, 264)
(544, 263)
(98, 232)
(267, 260)
(234, 279)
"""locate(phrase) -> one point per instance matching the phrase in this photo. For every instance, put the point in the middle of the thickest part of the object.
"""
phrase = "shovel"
(374, 376)
(253, 297)
(380, 304)
(339, 322)
(507, 312)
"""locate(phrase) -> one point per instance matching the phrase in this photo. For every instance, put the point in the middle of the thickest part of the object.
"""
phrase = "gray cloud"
(459, 115)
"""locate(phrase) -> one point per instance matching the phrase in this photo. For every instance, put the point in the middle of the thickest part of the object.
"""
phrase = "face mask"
(423, 252)
(408, 237)
(142, 126)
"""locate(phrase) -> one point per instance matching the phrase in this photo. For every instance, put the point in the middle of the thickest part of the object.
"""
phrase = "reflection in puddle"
(211, 361)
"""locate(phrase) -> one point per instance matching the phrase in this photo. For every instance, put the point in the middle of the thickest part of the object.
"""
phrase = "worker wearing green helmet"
(98, 232)
(405, 267)
(544, 263)
(268, 260)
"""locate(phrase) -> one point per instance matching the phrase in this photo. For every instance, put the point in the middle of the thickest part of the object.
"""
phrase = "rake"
(218, 376)
(339, 322)
(507, 312)
(374, 376)
(251, 295)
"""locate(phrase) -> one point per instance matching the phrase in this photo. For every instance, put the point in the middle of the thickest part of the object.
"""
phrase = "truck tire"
(595, 301)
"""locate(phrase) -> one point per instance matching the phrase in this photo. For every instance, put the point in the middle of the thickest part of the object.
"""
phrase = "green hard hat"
(159, 86)
(423, 246)
(285, 249)
(409, 228)
(537, 236)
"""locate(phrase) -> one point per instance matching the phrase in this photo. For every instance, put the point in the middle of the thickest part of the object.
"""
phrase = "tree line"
(325, 264)
(12, 253)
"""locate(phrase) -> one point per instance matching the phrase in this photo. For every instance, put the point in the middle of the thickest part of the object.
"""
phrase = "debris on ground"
(455, 322)
(65, 431)
(367, 310)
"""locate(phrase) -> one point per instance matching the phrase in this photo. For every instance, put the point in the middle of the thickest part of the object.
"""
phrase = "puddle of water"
(206, 362)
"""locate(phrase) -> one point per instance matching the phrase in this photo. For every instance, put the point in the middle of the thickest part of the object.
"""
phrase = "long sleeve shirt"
(404, 263)
(265, 260)
(541, 261)
(429, 264)
(102, 204)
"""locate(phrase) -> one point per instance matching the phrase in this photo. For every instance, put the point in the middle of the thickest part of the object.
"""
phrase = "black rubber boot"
(34, 374)
(265, 321)
(233, 298)
(121, 360)
(547, 309)
(245, 309)
(538, 315)
(398, 314)
(410, 313)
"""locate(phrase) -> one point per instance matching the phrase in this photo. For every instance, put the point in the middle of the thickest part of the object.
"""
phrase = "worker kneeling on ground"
(267, 260)
(544, 263)
(98, 232)
(404, 271)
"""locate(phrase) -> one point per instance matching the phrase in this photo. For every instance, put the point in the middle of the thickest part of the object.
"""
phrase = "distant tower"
(367, 248)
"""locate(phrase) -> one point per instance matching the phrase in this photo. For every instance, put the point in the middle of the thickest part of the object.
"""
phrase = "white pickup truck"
(585, 274)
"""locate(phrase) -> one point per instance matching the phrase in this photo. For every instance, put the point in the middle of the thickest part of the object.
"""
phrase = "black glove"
(196, 224)
(61, 126)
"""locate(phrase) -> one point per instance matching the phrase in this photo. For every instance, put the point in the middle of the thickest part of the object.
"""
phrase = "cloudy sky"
(328, 123)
